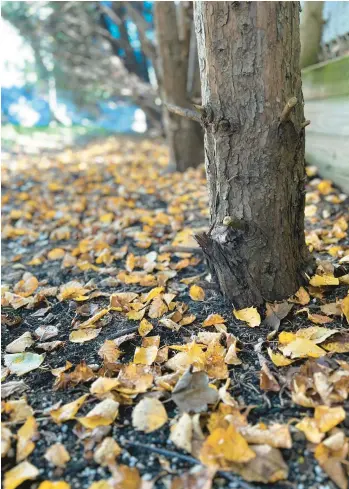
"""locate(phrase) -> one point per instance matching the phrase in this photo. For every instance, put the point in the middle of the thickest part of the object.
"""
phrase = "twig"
(184, 112)
(180, 249)
(305, 123)
(187, 458)
(124, 332)
(287, 109)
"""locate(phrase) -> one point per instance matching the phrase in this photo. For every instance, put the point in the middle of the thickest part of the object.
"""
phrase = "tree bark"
(184, 137)
(254, 148)
(311, 32)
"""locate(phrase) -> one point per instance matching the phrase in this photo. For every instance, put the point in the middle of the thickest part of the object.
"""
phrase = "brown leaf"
(193, 393)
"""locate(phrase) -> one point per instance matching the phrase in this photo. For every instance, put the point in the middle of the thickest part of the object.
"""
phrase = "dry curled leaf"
(20, 473)
(193, 392)
(57, 455)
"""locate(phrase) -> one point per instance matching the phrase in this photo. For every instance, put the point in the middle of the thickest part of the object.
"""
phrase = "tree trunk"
(311, 32)
(249, 62)
(184, 137)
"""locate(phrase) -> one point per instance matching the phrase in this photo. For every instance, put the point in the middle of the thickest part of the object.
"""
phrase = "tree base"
(228, 255)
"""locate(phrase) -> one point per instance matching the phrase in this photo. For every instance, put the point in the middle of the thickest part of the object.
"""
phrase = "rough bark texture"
(249, 62)
(185, 137)
(311, 32)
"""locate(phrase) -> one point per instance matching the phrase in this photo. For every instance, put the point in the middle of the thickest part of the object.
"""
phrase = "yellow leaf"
(101, 415)
(345, 307)
(278, 359)
(213, 319)
(302, 348)
(68, 411)
(327, 417)
(154, 293)
(149, 415)
(57, 455)
(145, 356)
(22, 472)
(82, 335)
(181, 433)
(27, 286)
(25, 436)
(285, 337)
(310, 429)
(301, 297)
(109, 351)
(145, 327)
(107, 452)
(223, 446)
(320, 280)
(250, 315)
(325, 187)
(135, 315)
(90, 322)
(56, 254)
(71, 290)
(157, 309)
(54, 485)
(18, 409)
(103, 385)
(6, 436)
(197, 293)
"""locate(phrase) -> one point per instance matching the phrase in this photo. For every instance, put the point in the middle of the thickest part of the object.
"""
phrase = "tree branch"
(287, 109)
(184, 112)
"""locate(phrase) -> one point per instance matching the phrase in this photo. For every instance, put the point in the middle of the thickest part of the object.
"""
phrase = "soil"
(304, 472)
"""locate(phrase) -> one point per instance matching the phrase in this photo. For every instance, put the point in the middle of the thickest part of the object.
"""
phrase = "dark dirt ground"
(304, 472)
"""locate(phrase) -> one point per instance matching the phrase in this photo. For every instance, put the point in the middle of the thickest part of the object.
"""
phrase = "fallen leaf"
(103, 414)
(109, 351)
(71, 290)
(149, 415)
(223, 446)
(327, 417)
(146, 356)
(197, 293)
(107, 452)
(276, 435)
(213, 319)
(157, 309)
(25, 436)
(57, 455)
(275, 313)
(311, 430)
(27, 286)
(44, 333)
(193, 392)
(321, 280)
(68, 411)
(267, 381)
(54, 485)
(103, 385)
(20, 344)
(6, 437)
(345, 307)
(20, 473)
(144, 327)
(22, 363)
(302, 348)
(301, 297)
(278, 359)
(250, 315)
(50, 345)
(82, 335)
(168, 323)
(267, 466)
(182, 433)
(13, 387)
(18, 409)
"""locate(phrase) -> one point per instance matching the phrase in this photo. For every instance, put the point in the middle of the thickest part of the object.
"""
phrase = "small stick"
(305, 124)
(189, 459)
(287, 109)
(180, 249)
(184, 112)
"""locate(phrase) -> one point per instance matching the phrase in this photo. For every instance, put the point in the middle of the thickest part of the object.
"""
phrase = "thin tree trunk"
(311, 32)
(185, 137)
(249, 62)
